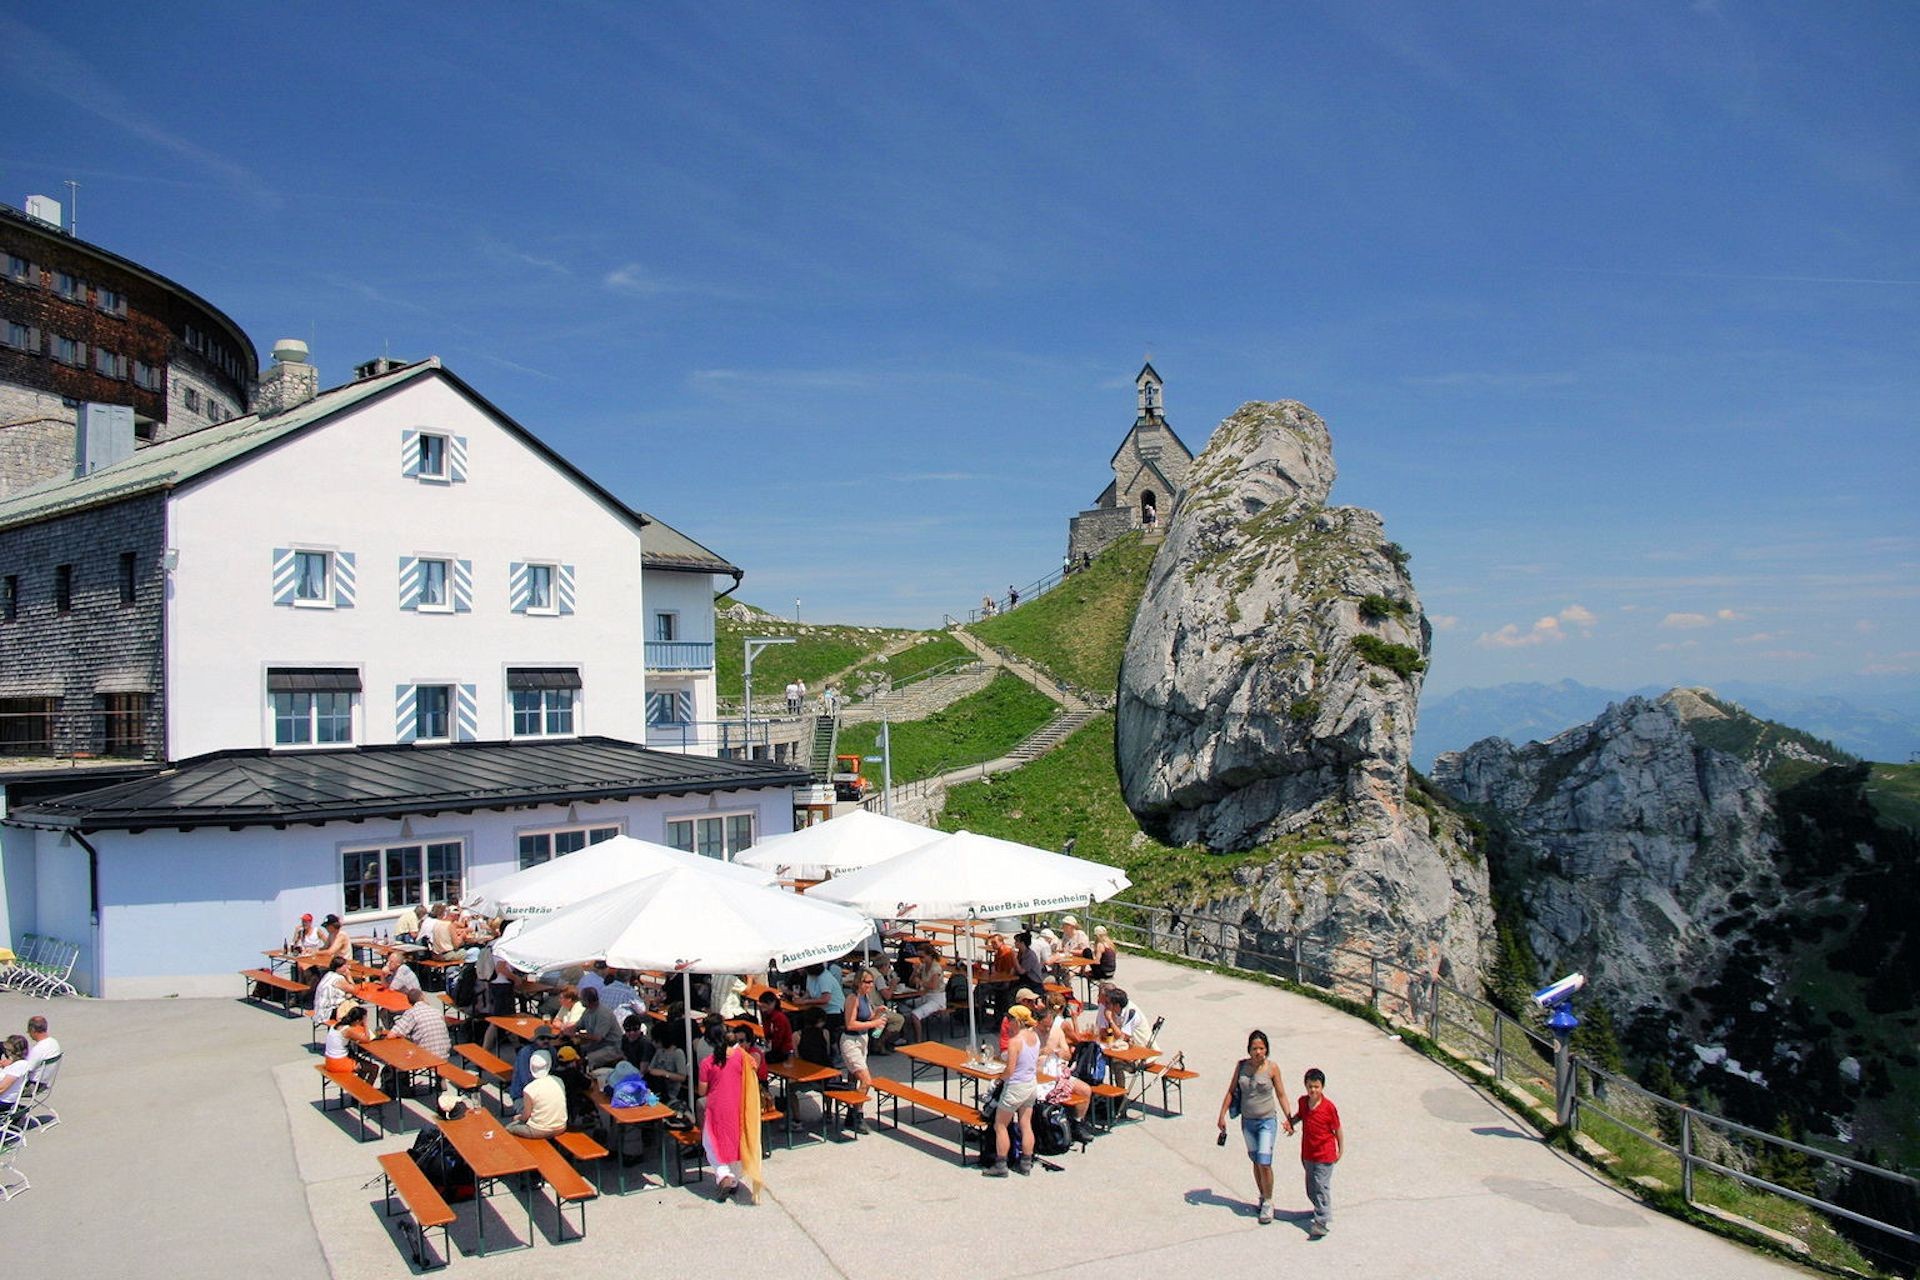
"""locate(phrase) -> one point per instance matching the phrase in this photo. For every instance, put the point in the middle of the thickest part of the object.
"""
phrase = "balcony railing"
(76, 735)
(679, 655)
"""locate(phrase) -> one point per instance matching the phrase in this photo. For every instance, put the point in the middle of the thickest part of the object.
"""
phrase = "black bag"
(466, 987)
(1052, 1135)
(1089, 1063)
(450, 1175)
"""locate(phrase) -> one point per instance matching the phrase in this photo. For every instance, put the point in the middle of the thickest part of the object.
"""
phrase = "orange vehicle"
(848, 784)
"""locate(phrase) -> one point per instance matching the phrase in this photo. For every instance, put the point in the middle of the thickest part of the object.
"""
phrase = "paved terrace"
(191, 1137)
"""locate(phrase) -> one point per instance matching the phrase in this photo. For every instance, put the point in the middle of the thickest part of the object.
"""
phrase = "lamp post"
(752, 648)
(885, 758)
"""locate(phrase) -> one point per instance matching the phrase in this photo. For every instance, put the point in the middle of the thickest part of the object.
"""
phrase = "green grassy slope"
(980, 726)
(1078, 630)
(818, 651)
(936, 650)
(1894, 792)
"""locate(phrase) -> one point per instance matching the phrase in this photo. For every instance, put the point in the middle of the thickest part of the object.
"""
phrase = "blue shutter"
(517, 586)
(466, 713)
(409, 582)
(563, 589)
(463, 586)
(457, 458)
(405, 711)
(343, 580)
(410, 453)
(283, 575)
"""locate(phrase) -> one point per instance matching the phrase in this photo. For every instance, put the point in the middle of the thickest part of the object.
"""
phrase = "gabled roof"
(665, 547)
(1158, 420)
(255, 788)
(1146, 369)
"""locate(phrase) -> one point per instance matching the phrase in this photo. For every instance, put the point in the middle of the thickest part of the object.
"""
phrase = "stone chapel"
(1149, 473)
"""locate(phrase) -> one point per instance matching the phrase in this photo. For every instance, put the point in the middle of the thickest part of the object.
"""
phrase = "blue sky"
(1612, 308)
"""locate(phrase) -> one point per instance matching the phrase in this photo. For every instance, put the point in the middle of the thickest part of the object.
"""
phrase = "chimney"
(290, 383)
(102, 436)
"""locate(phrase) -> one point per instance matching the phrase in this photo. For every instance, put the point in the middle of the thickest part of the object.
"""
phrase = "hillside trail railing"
(1707, 1158)
(992, 606)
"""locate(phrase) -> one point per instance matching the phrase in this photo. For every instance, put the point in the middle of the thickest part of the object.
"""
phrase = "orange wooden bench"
(424, 1205)
(564, 1181)
(267, 978)
(1173, 1075)
(969, 1119)
(363, 1092)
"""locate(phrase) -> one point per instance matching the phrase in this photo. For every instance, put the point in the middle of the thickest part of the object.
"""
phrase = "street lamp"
(754, 644)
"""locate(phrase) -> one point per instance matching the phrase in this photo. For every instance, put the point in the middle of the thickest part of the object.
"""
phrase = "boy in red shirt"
(1322, 1143)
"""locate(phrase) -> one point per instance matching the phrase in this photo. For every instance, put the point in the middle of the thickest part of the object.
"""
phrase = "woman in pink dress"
(730, 1079)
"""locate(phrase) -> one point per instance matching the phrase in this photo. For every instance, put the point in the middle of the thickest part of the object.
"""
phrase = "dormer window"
(433, 457)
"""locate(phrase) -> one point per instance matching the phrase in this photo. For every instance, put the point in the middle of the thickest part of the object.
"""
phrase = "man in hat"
(544, 1041)
(543, 1102)
(1073, 939)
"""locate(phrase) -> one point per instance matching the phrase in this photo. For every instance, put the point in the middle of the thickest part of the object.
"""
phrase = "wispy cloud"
(781, 379)
(30, 58)
(1685, 621)
(1444, 621)
(498, 251)
(1551, 629)
(635, 280)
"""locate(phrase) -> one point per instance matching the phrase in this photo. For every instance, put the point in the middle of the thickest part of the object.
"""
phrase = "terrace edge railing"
(1437, 1011)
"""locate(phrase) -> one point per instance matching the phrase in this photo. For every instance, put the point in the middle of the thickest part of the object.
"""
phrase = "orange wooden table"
(523, 1026)
(483, 1142)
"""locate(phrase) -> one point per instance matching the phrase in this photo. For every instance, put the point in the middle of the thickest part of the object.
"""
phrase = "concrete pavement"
(191, 1133)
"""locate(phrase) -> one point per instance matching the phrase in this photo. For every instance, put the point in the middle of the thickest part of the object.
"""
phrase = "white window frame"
(445, 604)
(388, 899)
(590, 832)
(312, 719)
(450, 712)
(728, 850)
(552, 571)
(544, 711)
(445, 473)
(325, 600)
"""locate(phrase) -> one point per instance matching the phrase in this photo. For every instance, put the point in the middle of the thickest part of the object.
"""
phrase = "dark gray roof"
(664, 547)
(260, 788)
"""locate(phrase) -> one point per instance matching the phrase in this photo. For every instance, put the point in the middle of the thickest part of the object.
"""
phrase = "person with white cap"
(1043, 944)
(1073, 940)
(543, 1103)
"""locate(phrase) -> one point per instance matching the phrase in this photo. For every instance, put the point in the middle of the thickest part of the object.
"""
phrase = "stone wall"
(1093, 531)
(99, 645)
(36, 438)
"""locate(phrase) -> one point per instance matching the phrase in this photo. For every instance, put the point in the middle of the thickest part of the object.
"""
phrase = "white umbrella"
(545, 888)
(857, 840)
(970, 876)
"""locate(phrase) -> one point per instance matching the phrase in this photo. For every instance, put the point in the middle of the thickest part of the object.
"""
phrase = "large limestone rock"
(1267, 697)
(1635, 852)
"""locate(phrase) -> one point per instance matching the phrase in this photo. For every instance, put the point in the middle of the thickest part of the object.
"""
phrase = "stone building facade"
(79, 323)
(1149, 474)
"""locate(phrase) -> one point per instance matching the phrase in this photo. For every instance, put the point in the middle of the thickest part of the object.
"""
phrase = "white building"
(391, 644)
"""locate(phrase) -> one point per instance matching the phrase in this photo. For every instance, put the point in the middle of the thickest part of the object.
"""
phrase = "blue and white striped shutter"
(463, 586)
(517, 586)
(410, 453)
(409, 582)
(405, 714)
(343, 580)
(457, 459)
(565, 588)
(466, 712)
(283, 575)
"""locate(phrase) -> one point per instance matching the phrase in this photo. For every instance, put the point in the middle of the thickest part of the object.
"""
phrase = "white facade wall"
(690, 597)
(183, 912)
(341, 487)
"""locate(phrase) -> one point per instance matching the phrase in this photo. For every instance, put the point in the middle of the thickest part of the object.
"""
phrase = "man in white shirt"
(41, 1045)
(543, 1103)
(13, 1071)
(1043, 945)
(400, 975)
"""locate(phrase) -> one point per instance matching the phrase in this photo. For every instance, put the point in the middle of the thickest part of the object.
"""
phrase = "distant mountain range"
(1887, 730)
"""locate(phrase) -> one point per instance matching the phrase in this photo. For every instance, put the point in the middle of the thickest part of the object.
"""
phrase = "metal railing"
(679, 655)
(76, 735)
(728, 737)
(1693, 1145)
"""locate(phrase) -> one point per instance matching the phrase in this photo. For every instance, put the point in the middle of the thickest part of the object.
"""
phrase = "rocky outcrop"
(1634, 851)
(1267, 699)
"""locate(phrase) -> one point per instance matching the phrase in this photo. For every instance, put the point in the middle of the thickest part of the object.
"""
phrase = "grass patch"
(818, 651)
(1894, 792)
(981, 726)
(935, 651)
(1077, 632)
(1402, 660)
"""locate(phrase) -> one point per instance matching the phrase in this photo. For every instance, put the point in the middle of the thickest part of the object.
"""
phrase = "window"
(111, 302)
(128, 563)
(432, 462)
(195, 340)
(63, 588)
(21, 337)
(10, 598)
(216, 412)
(540, 588)
(721, 835)
(312, 706)
(432, 712)
(69, 286)
(26, 726)
(124, 727)
(542, 700)
(110, 363)
(312, 577)
(670, 708)
(18, 268)
(393, 877)
(148, 376)
(666, 627)
(191, 399)
(537, 847)
(68, 351)
(431, 582)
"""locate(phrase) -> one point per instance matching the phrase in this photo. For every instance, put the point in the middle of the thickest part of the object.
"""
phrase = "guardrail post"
(1153, 933)
(1499, 1046)
(1686, 1154)
(1433, 1009)
(1299, 974)
(1373, 983)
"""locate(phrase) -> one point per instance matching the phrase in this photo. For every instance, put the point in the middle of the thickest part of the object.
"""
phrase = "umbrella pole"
(694, 1106)
(973, 1030)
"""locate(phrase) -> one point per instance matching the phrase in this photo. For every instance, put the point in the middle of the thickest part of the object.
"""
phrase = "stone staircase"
(921, 699)
(1052, 734)
(826, 736)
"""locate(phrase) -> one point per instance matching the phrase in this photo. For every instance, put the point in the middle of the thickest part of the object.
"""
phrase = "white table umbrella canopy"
(559, 882)
(849, 843)
(964, 875)
(690, 922)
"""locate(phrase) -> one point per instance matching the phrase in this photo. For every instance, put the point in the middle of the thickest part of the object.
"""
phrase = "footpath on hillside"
(1438, 1181)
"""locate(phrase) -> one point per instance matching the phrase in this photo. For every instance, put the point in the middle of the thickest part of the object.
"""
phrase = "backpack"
(466, 987)
(450, 1175)
(631, 1091)
(1089, 1063)
(1052, 1135)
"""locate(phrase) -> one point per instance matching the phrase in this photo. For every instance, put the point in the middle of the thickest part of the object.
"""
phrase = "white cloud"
(1685, 621)
(1444, 622)
(1728, 615)
(1672, 647)
(1760, 637)
(1578, 616)
(1546, 630)
(1787, 655)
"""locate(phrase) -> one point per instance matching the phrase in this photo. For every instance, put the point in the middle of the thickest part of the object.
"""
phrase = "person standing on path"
(1322, 1143)
(730, 1130)
(1016, 1095)
(1254, 1092)
(793, 698)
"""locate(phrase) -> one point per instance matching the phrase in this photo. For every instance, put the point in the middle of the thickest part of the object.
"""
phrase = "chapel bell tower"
(1148, 386)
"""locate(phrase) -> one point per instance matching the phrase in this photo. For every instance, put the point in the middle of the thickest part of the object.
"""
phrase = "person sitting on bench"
(543, 1103)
